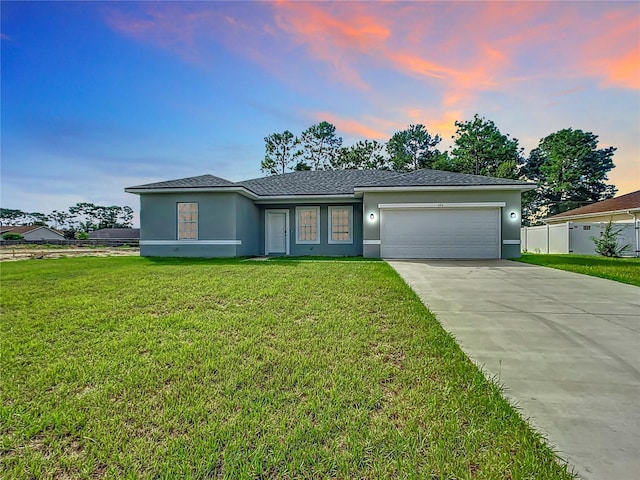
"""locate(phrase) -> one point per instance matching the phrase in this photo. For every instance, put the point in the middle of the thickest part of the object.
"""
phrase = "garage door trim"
(403, 206)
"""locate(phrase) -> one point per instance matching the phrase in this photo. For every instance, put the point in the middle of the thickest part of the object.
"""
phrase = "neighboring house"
(115, 234)
(33, 232)
(573, 231)
(374, 213)
(622, 209)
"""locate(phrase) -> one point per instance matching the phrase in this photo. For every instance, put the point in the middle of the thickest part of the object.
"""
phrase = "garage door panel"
(440, 233)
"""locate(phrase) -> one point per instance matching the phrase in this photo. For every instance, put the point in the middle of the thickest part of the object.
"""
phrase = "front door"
(277, 232)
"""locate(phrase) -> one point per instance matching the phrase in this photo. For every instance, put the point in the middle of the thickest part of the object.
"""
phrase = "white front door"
(277, 232)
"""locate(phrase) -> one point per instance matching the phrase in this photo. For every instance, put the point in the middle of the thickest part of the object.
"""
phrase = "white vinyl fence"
(573, 237)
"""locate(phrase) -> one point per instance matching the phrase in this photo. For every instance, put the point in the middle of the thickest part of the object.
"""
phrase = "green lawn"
(625, 270)
(139, 368)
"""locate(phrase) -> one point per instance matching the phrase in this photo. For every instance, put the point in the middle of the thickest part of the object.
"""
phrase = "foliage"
(190, 368)
(82, 217)
(413, 148)
(280, 152)
(570, 171)
(82, 235)
(364, 155)
(481, 149)
(320, 146)
(12, 236)
(607, 243)
(624, 270)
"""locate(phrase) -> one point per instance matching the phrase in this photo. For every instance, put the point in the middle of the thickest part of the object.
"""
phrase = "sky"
(99, 96)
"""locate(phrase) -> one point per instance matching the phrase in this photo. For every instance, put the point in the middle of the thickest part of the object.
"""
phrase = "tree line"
(567, 166)
(79, 219)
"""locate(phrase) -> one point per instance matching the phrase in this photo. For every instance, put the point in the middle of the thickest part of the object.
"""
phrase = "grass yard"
(140, 368)
(625, 270)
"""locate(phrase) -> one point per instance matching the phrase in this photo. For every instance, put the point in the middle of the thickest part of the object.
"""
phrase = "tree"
(84, 216)
(481, 149)
(280, 152)
(10, 216)
(570, 171)
(59, 219)
(607, 243)
(320, 146)
(364, 155)
(413, 148)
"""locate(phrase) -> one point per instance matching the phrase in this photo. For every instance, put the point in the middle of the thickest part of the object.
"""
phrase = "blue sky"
(98, 96)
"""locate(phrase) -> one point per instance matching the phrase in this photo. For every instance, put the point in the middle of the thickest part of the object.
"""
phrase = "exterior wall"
(324, 248)
(247, 227)
(510, 227)
(576, 238)
(226, 225)
(42, 234)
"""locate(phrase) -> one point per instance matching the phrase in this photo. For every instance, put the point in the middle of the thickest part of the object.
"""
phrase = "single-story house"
(622, 209)
(33, 232)
(115, 234)
(374, 213)
(574, 231)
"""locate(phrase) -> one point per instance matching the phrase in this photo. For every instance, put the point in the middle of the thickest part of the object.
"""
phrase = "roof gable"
(630, 201)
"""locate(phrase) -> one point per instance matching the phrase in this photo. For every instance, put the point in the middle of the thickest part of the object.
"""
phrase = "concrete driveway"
(566, 347)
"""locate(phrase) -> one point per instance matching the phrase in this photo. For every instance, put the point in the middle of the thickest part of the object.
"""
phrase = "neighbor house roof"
(623, 203)
(22, 229)
(332, 182)
(115, 233)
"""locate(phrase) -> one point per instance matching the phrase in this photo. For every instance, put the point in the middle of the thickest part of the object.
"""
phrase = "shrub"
(12, 236)
(607, 243)
(82, 236)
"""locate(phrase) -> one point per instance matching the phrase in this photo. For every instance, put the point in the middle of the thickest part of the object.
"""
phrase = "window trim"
(330, 224)
(178, 222)
(308, 242)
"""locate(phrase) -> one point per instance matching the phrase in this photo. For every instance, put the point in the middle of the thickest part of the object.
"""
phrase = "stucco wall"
(222, 217)
(324, 248)
(510, 227)
(42, 234)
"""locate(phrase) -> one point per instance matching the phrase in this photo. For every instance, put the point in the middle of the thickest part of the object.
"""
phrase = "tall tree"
(281, 151)
(364, 155)
(413, 148)
(320, 146)
(9, 216)
(481, 149)
(570, 171)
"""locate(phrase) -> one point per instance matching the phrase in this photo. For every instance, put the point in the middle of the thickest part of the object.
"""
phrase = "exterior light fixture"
(372, 216)
(512, 214)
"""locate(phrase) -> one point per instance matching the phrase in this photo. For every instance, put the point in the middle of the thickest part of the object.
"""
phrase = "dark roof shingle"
(334, 182)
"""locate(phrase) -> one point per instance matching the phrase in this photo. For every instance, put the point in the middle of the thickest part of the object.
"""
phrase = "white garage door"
(440, 233)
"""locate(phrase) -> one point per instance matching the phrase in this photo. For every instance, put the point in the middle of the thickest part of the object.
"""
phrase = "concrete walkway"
(566, 347)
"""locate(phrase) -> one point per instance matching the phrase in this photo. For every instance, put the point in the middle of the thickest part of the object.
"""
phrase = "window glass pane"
(340, 224)
(187, 221)
(308, 225)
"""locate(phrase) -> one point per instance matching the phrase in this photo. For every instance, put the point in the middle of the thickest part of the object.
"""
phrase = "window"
(307, 224)
(340, 224)
(187, 221)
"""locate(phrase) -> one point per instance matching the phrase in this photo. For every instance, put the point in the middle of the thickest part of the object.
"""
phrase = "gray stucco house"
(374, 213)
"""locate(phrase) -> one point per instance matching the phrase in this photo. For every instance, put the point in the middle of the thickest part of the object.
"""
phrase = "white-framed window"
(307, 224)
(188, 221)
(340, 224)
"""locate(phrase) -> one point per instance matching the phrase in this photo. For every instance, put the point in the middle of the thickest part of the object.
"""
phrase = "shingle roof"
(329, 182)
(629, 201)
(19, 229)
(430, 178)
(115, 233)
(334, 182)
(202, 181)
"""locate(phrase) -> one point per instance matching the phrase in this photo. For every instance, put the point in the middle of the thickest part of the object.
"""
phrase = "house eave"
(441, 188)
(240, 190)
(336, 198)
(624, 211)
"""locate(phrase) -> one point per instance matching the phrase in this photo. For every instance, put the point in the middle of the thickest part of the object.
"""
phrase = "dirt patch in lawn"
(15, 254)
